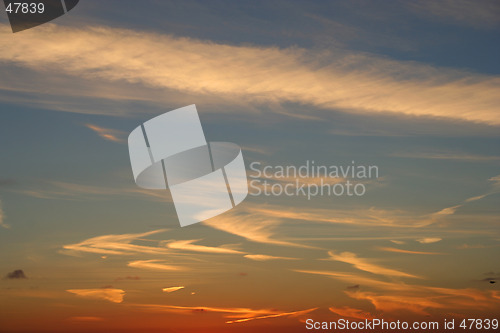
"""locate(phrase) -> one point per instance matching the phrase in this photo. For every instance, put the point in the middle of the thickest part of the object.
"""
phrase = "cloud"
(115, 244)
(172, 289)
(429, 240)
(448, 156)
(108, 294)
(496, 182)
(135, 278)
(354, 287)
(397, 242)
(86, 319)
(253, 227)
(397, 296)
(2, 218)
(265, 257)
(392, 249)
(187, 245)
(365, 265)
(7, 182)
(108, 133)
(244, 314)
(351, 312)
(17, 274)
(391, 303)
(156, 265)
(333, 80)
(475, 13)
(73, 191)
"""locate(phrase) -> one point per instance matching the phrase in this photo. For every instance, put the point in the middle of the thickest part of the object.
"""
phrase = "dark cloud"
(17, 274)
(127, 278)
(491, 277)
(7, 182)
(355, 287)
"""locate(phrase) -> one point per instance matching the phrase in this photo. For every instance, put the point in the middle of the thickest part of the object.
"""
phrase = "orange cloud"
(428, 240)
(172, 289)
(257, 74)
(86, 319)
(188, 245)
(116, 244)
(265, 257)
(244, 314)
(351, 312)
(156, 265)
(108, 294)
(392, 249)
(365, 265)
(108, 133)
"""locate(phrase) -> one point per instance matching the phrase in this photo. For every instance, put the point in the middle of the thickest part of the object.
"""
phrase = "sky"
(412, 88)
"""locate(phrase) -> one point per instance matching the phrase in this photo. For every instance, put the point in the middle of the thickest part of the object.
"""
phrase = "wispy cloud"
(155, 265)
(187, 245)
(108, 294)
(2, 218)
(115, 244)
(475, 13)
(86, 319)
(395, 296)
(265, 257)
(252, 227)
(74, 191)
(448, 156)
(108, 133)
(244, 314)
(366, 264)
(392, 249)
(351, 312)
(428, 240)
(172, 289)
(339, 80)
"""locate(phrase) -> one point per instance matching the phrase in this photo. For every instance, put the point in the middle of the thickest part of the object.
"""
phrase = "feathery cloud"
(265, 257)
(392, 249)
(108, 294)
(365, 265)
(115, 244)
(108, 133)
(172, 289)
(2, 218)
(338, 80)
(244, 314)
(187, 245)
(429, 240)
(351, 312)
(156, 265)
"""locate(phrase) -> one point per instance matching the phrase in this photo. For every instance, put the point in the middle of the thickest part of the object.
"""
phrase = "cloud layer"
(337, 79)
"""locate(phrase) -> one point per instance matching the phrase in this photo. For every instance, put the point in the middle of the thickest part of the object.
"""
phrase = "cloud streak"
(2, 218)
(108, 294)
(187, 245)
(155, 265)
(172, 289)
(243, 314)
(107, 133)
(115, 244)
(337, 80)
(365, 265)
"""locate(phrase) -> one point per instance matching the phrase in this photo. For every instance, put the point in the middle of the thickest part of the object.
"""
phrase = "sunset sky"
(410, 87)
